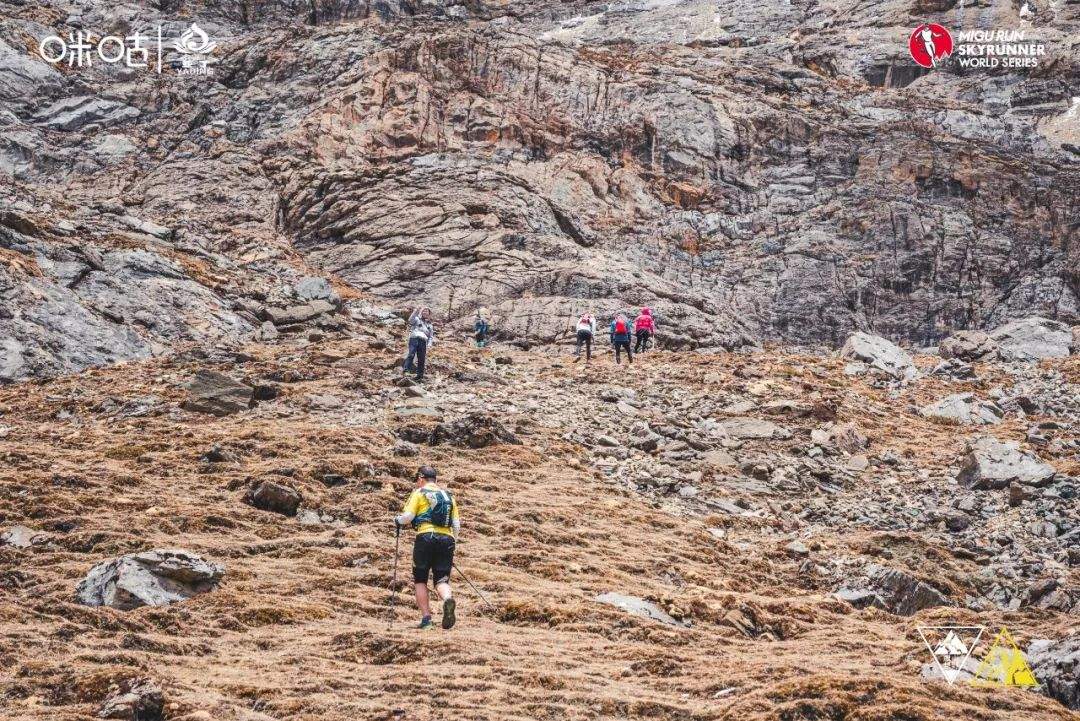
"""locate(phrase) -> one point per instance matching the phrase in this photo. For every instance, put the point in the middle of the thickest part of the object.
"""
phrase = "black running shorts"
(432, 552)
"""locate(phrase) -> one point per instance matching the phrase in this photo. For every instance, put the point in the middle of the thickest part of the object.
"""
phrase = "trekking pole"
(393, 583)
(474, 588)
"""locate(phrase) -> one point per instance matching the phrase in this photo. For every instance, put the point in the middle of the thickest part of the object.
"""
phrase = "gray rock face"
(965, 409)
(150, 578)
(448, 189)
(902, 593)
(638, 607)
(217, 394)
(22, 75)
(967, 345)
(1056, 665)
(314, 288)
(275, 497)
(1032, 339)
(75, 113)
(993, 464)
(879, 355)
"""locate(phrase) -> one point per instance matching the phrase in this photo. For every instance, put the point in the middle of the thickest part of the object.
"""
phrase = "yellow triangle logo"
(1004, 665)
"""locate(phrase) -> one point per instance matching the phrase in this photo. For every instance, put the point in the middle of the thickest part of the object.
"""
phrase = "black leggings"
(584, 336)
(642, 340)
(619, 345)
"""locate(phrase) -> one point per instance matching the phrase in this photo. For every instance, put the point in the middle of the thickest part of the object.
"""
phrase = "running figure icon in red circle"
(930, 43)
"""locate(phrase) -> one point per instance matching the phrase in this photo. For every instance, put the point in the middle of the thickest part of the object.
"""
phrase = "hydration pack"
(440, 508)
(620, 327)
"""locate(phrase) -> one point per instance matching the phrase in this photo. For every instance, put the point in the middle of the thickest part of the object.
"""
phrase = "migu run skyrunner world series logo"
(931, 45)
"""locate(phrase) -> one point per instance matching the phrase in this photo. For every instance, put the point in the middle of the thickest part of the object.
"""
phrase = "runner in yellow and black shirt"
(433, 512)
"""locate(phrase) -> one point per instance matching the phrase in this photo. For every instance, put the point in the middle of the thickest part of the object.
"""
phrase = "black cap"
(426, 472)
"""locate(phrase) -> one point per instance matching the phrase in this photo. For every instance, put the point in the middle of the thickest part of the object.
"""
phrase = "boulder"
(267, 331)
(644, 439)
(217, 394)
(147, 227)
(860, 598)
(22, 537)
(275, 497)
(718, 460)
(315, 288)
(149, 578)
(751, 428)
(1032, 339)
(137, 699)
(475, 430)
(967, 345)
(879, 355)
(992, 464)
(844, 436)
(298, 313)
(1056, 665)
(965, 409)
(638, 607)
(955, 369)
(902, 593)
(405, 449)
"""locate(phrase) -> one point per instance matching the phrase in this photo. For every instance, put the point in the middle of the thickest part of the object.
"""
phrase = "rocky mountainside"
(757, 172)
(694, 537)
(860, 419)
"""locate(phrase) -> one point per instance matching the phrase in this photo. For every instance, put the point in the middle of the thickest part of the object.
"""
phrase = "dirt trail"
(299, 628)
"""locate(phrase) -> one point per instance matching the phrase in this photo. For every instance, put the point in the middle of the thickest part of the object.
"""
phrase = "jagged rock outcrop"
(149, 578)
(217, 394)
(759, 177)
(990, 463)
(1031, 339)
(967, 345)
(878, 355)
(964, 408)
(1056, 665)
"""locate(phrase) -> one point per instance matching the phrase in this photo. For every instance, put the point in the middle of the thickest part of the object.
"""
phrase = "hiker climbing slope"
(433, 512)
(481, 327)
(644, 327)
(620, 337)
(586, 329)
(421, 338)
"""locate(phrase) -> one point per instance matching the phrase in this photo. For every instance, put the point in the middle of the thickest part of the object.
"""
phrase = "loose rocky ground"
(738, 493)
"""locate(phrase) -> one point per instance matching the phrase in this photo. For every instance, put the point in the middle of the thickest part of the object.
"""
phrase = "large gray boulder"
(963, 408)
(993, 464)
(315, 288)
(879, 355)
(1056, 666)
(902, 593)
(967, 345)
(275, 497)
(217, 394)
(1032, 339)
(149, 578)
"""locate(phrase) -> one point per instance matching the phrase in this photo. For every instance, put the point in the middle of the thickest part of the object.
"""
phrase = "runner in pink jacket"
(644, 327)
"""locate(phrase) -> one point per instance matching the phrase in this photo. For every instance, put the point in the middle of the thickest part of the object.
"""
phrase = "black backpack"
(440, 508)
